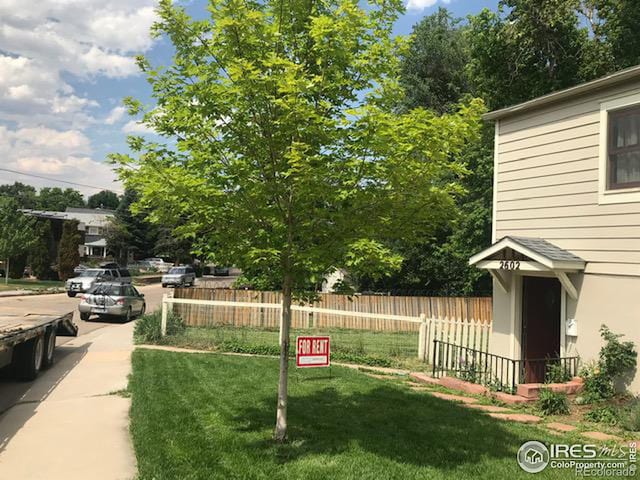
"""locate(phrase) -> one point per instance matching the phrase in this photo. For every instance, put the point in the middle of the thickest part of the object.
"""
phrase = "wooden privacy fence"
(263, 310)
(474, 310)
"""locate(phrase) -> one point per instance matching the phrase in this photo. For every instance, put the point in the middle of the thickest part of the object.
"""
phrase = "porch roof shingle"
(546, 249)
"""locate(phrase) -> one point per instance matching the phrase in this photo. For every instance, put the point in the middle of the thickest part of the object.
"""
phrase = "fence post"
(163, 323)
(422, 338)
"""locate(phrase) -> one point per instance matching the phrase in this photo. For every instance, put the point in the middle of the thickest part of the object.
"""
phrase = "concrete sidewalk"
(70, 425)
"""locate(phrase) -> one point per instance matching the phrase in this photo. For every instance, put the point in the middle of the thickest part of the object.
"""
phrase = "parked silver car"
(179, 277)
(112, 300)
(90, 277)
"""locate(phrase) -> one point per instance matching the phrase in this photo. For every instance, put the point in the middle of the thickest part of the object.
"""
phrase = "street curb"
(26, 294)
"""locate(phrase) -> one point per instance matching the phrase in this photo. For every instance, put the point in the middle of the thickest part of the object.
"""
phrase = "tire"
(27, 358)
(48, 357)
(143, 309)
(164, 285)
(128, 317)
(71, 294)
(85, 316)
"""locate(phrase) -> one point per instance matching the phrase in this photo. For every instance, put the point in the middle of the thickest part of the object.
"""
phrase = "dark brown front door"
(540, 325)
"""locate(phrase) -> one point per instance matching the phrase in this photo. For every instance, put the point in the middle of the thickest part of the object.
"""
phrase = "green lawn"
(205, 416)
(29, 284)
(357, 346)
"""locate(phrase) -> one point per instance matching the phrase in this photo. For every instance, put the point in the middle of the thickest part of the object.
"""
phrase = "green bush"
(616, 357)
(615, 360)
(557, 373)
(147, 328)
(553, 403)
(607, 414)
(630, 416)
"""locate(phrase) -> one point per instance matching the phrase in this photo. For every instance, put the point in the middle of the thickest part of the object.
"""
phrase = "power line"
(59, 181)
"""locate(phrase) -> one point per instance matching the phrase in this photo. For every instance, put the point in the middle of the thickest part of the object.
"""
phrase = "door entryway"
(541, 301)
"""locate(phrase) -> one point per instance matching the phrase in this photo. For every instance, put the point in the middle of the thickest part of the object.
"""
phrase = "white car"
(90, 277)
(159, 264)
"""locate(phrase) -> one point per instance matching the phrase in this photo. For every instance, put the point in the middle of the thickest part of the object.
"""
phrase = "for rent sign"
(313, 352)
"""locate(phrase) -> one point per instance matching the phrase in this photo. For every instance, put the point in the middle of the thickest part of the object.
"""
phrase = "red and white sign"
(313, 352)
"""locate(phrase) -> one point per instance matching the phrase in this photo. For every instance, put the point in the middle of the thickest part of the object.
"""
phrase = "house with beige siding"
(565, 257)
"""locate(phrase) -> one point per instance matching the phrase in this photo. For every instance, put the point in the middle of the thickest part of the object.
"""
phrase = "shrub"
(630, 416)
(616, 357)
(553, 403)
(557, 373)
(615, 360)
(608, 415)
(147, 329)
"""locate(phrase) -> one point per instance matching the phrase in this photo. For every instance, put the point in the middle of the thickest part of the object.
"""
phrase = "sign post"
(313, 352)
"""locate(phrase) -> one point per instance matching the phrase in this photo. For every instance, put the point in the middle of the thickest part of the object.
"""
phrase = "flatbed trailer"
(27, 342)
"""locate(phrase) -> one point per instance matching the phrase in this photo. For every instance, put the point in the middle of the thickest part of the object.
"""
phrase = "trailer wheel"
(49, 348)
(71, 294)
(27, 358)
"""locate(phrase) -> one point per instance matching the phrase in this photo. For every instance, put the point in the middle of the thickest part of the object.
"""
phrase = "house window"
(624, 148)
(95, 231)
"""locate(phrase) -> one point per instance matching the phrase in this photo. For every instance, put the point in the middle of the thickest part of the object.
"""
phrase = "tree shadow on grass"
(387, 421)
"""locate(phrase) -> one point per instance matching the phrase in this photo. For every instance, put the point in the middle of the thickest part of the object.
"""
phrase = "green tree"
(288, 151)
(433, 70)
(129, 232)
(68, 249)
(105, 199)
(58, 200)
(178, 249)
(526, 49)
(24, 195)
(40, 258)
(16, 234)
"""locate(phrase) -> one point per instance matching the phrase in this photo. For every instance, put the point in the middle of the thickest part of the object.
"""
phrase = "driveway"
(70, 423)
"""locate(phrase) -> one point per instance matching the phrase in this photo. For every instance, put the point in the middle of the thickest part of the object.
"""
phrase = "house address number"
(509, 265)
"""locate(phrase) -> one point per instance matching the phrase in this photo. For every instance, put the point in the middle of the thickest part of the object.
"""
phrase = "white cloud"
(51, 39)
(47, 47)
(115, 115)
(422, 4)
(61, 155)
(135, 127)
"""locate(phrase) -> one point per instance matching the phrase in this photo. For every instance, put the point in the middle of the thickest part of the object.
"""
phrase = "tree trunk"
(6, 273)
(280, 434)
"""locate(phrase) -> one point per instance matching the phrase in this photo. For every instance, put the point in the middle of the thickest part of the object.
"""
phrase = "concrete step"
(453, 398)
(467, 387)
(424, 378)
(532, 390)
(511, 399)
(517, 417)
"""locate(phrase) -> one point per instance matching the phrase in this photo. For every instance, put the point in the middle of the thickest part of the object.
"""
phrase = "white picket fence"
(464, 333)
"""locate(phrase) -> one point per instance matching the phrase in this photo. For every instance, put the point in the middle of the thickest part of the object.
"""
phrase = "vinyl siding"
(547, 184)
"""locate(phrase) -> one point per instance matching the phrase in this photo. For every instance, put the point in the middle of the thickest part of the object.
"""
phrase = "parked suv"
(90, 277)
(179, 277)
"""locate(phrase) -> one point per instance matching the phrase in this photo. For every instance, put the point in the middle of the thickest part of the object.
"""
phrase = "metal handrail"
(496, 371)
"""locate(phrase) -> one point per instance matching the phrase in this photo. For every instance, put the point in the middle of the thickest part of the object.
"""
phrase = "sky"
(66, 65)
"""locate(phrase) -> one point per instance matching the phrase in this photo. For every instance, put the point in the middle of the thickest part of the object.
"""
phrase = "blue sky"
(64, 69)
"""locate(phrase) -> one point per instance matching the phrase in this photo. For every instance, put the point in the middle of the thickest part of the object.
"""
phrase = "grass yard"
(357, 346)
(205, 416)
(24, 284)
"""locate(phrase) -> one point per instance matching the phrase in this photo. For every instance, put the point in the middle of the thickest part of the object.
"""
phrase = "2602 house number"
(509, 265)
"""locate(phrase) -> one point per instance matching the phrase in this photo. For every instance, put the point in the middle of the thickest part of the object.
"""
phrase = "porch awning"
(525, 254)
(97, 243)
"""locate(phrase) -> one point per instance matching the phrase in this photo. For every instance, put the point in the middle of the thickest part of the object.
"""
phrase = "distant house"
(92, 222)
(566, 223)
